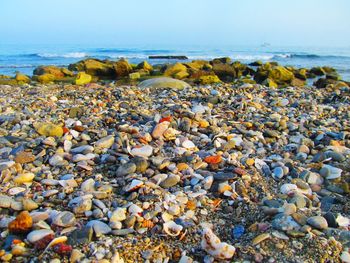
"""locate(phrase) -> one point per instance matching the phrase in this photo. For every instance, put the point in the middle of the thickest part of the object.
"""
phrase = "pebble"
(99, 227)
(36, 235)
(144, 151)
(125, 169)
(318, 222)
(64, 219)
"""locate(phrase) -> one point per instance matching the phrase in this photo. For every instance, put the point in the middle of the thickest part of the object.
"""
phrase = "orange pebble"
(215, 159)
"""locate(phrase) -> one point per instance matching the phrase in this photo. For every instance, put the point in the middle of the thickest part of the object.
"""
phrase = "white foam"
(66, 55)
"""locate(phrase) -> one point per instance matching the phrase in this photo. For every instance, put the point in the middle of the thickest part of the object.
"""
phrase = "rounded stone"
(125, 169)
(318, 222)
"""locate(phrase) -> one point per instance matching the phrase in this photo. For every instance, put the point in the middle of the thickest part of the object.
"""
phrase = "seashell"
(16, 190)
(135, 184)
(36, 235)
(42, 225)
(213, 246)
(144, 151)
(67, 145)
(50, 182)
(188, 144)
(172, 229)
(56, 241)
(134, 209)
(260, 238)
(343, 221)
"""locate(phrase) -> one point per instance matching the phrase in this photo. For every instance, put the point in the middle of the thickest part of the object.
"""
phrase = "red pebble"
(168, 118)
(62, 249)
(65, 130)
(42, 243)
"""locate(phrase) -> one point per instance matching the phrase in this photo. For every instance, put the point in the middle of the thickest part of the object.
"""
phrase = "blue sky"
(176, 22)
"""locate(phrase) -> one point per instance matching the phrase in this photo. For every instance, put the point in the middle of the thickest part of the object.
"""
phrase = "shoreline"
(196, 71)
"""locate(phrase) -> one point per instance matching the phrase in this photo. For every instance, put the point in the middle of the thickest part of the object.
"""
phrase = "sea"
(25, 58)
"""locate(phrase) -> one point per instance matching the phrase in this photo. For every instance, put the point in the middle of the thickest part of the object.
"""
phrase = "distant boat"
(265, 44)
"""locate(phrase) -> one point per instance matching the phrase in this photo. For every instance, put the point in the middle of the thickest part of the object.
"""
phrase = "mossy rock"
(333, 75)
(199, 65)
(135, 75)
(67, 72)
(301, 73)
(145, 66)
(257, 63)
(181, 75)
(270, 83)
(4, 76)
(224, 60)
(281, 75)
(11, 82)
(52, 70)
(171, 70)
(318, 71)
(83, 78)
(45, 78)
(22, 79)
(242, 69)
(340, 85)
(94, 67)
(209, 79)
(122, 68)
(329, 70)
(224, 71)
(322, 83)
(296, 82)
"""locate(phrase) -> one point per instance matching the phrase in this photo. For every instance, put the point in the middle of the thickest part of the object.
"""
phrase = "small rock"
(318, 222)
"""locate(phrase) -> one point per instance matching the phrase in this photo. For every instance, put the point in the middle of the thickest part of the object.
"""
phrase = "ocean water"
(25, 58)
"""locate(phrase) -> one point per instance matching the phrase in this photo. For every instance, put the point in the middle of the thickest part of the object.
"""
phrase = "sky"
(176, 22)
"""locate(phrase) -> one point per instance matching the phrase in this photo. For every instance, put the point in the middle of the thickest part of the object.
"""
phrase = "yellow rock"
(21, 78)
(135, 75)
(209, 79)
(24, 178)
(173, 69)
(48, 129)
(181, 75)
(145, 66)
(46, 78)
(83, 78)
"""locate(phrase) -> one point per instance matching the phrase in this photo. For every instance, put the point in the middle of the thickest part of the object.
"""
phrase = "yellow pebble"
(250, 161)
(2, 252)
(182, 166)
(248, 124)
(6, 257)
(203, 124)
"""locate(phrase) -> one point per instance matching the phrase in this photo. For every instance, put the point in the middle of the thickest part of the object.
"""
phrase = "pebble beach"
(206, 161)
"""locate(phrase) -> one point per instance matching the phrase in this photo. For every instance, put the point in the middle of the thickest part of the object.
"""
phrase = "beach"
(191, 161)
